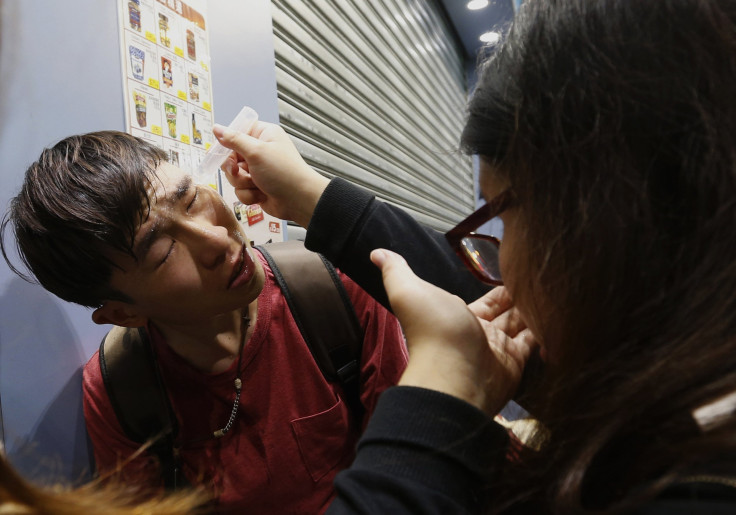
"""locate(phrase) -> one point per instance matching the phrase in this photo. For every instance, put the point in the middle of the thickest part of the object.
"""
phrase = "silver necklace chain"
(245, 324)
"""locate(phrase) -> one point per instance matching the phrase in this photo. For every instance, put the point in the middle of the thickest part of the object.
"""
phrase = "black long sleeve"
(422, 452)
(348, 223)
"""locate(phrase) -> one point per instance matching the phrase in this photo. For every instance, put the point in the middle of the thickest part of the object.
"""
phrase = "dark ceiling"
(469, 25)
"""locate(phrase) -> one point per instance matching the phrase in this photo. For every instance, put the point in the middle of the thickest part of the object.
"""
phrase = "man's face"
(194, 262)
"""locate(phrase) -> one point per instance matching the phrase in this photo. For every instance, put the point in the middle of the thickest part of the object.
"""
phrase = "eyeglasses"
(479, 252)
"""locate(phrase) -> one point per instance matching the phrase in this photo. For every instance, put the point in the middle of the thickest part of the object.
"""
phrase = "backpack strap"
(138, 396)
(323, 312)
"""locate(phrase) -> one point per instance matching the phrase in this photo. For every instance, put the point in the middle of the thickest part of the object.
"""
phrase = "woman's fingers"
(449, 351)
(495, 309)
(492, 304)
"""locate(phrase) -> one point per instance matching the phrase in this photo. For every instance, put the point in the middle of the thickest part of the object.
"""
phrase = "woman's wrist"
(308, 198)
(449, 373)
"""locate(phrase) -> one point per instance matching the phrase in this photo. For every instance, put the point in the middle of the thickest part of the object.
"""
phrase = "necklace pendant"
(238, 384)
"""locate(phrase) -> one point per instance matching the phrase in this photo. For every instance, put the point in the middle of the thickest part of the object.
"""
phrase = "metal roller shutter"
(374, 91)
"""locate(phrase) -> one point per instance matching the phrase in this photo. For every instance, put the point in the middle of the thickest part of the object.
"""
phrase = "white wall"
(60, 75)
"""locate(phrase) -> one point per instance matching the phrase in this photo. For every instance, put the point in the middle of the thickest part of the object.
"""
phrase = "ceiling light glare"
(474, 5)
(490, 37)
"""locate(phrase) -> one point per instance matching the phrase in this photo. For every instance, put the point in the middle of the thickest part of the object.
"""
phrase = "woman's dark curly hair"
(614, 123)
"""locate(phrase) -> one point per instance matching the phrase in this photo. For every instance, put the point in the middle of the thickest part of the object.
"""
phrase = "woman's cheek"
(518, 281)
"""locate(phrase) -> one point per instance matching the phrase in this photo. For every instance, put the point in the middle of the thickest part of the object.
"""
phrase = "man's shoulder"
(92, 372)
(92, 381)
(92, 367)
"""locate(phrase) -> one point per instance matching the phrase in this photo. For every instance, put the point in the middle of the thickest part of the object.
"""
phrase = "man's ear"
(118, 313)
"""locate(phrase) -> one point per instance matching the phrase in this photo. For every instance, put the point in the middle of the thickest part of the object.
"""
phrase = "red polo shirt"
(293, 432)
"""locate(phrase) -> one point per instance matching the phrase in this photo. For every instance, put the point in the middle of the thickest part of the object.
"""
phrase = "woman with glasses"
(605, 131)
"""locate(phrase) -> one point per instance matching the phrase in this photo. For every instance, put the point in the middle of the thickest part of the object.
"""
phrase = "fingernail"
(221, 131)
(378, 257)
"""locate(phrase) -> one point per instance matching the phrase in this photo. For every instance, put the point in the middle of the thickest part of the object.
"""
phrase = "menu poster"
(168, 93)
(165, 56)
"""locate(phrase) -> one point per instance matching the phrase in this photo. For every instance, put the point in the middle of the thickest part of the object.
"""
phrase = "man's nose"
(210, 243)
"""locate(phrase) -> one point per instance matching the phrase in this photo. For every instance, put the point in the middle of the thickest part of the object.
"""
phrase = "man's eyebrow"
(143, 246)
(181, 188)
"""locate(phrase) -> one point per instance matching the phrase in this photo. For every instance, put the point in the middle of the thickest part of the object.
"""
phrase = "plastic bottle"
(217, 153)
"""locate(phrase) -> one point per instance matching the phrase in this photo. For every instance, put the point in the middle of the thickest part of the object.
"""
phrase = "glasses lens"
(482, 253)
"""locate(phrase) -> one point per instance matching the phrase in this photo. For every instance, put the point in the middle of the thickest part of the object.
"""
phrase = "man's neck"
(214, 346)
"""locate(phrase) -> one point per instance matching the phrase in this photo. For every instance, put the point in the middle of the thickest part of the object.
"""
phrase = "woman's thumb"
(387, 260)
(398, 277)
(238, 141)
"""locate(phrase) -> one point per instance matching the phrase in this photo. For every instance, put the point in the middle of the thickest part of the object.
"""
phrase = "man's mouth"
(243, 270)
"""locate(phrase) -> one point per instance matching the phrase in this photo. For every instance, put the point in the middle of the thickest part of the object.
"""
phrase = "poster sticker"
(197, 47)
(199, 87)
(168, 24)
(151, 138)
(178, 153)
(201, 128)
(197, 156)
(173, 75)
(146, 113)
(142, 56)
(253, 213)
(176, 112)
(193, 82)
(140, 18)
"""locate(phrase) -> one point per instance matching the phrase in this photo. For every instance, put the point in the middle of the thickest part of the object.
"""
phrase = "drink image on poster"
(170, 111)
(193, 87)
(134, 14)
(167, 74)
(140, 108)
(196, 134)
(137, 61)
(191, 46)
(163, 30)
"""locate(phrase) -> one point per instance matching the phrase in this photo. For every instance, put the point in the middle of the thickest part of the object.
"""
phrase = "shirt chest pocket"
(326, 440)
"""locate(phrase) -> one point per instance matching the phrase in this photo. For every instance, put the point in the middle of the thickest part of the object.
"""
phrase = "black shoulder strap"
(323, 312)
(138, 396)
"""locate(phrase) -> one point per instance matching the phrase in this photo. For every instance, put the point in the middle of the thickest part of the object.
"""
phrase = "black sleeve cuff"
(338, 212)
(435, 440)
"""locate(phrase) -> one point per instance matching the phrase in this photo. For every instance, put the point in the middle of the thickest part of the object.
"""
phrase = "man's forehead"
(168, 184)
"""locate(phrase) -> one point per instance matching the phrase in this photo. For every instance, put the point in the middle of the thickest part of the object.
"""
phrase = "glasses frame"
(465, 228)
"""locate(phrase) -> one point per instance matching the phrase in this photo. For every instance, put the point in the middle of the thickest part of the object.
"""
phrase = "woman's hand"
(476, 353)
(511, 342)
(266, 168)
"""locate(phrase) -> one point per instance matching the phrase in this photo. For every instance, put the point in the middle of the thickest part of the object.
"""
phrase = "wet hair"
(113, 497)
(613, 123)
(80, 203)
